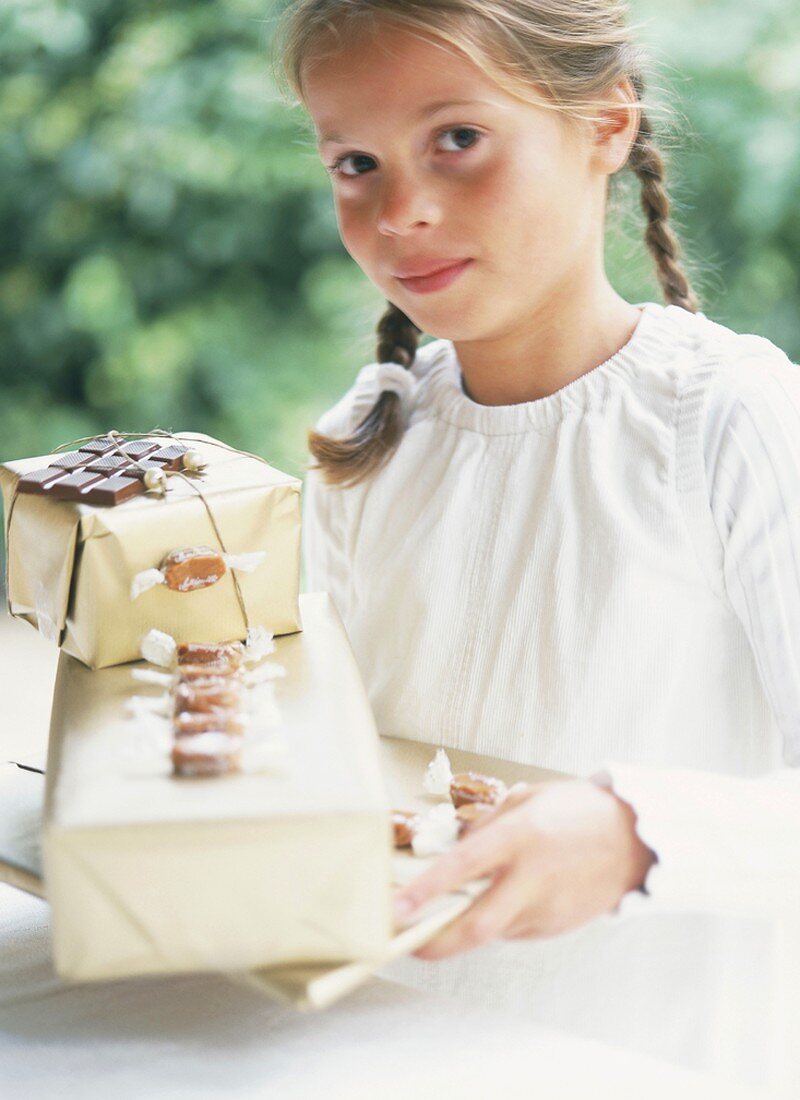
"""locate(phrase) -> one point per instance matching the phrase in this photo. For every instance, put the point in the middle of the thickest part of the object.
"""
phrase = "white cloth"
(204, 1037)
(606, 581)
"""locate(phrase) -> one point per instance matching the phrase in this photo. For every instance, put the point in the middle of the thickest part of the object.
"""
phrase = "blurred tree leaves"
(169, 247)
(733, 72)
(170, 254)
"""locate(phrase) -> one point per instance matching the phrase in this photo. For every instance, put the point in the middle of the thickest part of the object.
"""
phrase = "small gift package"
(153, 864)
(178, 532)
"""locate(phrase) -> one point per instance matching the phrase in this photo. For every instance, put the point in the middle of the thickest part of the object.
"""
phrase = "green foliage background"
(169, 247)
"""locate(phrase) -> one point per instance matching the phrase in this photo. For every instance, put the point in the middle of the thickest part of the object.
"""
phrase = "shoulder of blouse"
(743, 375)
(738, 408)
(751, 427)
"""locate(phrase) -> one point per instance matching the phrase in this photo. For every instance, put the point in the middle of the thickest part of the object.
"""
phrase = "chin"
(456, 328)
(448, 322)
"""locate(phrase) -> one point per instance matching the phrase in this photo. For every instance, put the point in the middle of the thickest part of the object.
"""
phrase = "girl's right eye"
(335, 168)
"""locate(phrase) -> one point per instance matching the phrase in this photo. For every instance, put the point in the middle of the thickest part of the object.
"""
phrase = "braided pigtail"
(345, 462)
(647, 163)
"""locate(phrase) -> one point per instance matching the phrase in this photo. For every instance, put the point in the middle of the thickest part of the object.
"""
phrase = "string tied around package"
(191, 475)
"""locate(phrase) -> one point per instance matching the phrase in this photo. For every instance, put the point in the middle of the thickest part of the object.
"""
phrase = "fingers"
(515, 796)
(484, 920)
(480, 853)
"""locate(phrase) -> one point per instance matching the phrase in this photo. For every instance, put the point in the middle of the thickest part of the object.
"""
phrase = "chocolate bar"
(98, 474)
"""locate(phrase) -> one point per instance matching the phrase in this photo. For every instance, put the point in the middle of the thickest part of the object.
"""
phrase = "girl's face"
(420, 183)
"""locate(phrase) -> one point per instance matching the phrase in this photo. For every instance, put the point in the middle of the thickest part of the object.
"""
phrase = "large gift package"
(155, 863)
(179, 532)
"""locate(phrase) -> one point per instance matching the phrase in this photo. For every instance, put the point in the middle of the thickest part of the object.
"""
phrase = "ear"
(616, 128)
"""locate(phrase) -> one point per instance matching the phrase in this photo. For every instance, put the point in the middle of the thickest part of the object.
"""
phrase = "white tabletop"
(206, 1036)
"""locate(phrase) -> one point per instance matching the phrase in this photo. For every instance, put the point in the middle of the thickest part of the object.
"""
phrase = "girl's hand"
(558, 853)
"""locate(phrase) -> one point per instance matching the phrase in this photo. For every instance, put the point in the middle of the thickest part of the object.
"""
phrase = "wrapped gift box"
(70, 565)
(146, 872)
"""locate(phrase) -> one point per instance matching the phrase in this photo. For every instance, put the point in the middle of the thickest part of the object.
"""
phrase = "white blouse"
(606, 581)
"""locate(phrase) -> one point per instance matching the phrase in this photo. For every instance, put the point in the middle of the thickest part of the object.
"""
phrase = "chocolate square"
(112, 490)
(171, 456)
(71, 486)
(38, 481)
(138, 448)
(107, 463)
(98, 446)
(69, 460)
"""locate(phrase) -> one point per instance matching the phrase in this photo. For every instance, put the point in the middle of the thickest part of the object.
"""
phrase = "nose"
(406, 203)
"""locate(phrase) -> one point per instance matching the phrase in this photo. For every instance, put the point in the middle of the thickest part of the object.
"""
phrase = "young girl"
(565, 530)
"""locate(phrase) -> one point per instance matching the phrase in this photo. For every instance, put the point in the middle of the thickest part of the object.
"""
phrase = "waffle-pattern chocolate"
(99, 474)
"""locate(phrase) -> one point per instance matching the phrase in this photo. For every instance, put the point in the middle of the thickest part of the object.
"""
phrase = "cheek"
(513, 200)
(352, 220)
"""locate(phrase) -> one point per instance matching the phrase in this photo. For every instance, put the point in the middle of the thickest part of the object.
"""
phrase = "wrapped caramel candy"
(206, 696)
(193, 567)
(161, 649)
(189, 722)
(205, 754)
(203, 672)
(204, 653)
(469, 813)
(404, 823)
(474, 787)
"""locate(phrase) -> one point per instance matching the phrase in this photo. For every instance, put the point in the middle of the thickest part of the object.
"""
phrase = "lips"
(439, 280)
(427, 267)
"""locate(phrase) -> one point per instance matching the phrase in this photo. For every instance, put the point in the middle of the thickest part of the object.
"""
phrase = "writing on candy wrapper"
(192, 568)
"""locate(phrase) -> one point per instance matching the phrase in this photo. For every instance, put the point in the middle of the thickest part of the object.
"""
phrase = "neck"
(558, 344)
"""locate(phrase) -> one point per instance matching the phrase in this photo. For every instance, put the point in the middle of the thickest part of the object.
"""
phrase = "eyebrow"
(429, 109)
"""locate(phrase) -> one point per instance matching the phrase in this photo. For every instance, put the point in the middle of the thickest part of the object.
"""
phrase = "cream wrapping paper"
(147, 873)
(70, 565)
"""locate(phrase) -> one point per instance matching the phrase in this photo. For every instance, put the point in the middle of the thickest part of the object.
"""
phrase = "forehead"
(387, 73)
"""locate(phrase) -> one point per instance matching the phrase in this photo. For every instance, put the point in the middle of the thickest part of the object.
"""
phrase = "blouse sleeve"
(724, 843)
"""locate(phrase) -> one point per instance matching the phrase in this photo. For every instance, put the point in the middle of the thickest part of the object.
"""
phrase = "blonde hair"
(572, 51)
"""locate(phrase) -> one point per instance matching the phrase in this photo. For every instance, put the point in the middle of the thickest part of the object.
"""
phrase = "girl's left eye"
(336, 167)
(461, 130)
